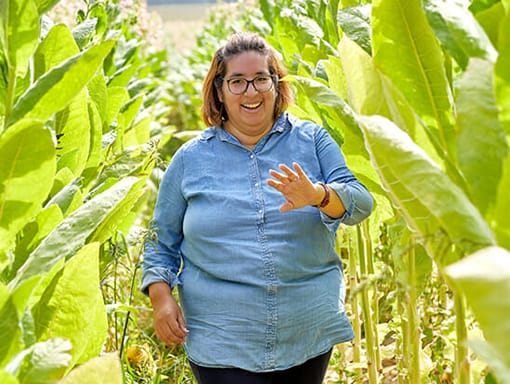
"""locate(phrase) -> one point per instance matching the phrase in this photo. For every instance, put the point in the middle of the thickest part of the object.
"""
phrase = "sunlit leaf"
(482, 143)
(484, 279)
(406, 51)
(27, 168)
(71, 234)
(100, 370)
(72, 306)
(57, 87)
(430, 202)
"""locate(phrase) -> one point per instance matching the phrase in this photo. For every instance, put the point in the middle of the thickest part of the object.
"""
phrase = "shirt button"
(260, 210)
(252, 156)
(257, 185)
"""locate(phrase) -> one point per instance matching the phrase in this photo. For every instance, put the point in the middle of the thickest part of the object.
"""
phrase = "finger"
(287, 206)
(279, 176)
(299, 170)
(289, 172)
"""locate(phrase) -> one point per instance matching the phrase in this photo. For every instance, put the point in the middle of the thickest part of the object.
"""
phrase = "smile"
(251, 106)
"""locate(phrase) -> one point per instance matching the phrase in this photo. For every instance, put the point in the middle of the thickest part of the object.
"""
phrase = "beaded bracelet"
(325, 200)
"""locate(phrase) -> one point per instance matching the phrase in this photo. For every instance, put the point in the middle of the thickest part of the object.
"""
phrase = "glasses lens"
(263, 83)
(260, 83)
(237, 86)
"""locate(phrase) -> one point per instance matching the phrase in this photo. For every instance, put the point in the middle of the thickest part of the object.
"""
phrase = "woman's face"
(250, 112)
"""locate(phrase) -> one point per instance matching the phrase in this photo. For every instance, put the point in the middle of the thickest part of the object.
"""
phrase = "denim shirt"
(260, 289)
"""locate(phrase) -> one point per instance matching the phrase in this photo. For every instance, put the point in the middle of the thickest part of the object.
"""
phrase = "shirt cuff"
(156, 275)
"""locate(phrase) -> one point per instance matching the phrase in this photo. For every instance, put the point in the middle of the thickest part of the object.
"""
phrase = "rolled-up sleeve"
(358, 202)
(161, 258)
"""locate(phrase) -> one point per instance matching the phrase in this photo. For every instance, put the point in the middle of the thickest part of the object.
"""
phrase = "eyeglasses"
(262, 83)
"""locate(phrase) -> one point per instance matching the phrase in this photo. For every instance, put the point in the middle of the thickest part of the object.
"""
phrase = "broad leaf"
(458, 31)
(502, 74)
(57, 46)
(482, 144)
(484, 279)
(73, 130)
(55, 89)
(355, 22)
(407, 52)
(72, 306)
(27, 168)
(429, 201)
(71, 234)
(19, 31)
(500, 218)
(100, 370)
(10, 332)
(45, 362)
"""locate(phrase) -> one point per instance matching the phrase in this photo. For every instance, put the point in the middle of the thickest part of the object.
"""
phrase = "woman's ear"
(220, 94)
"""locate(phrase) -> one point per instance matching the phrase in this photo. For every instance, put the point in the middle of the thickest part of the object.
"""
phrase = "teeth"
(251, 106)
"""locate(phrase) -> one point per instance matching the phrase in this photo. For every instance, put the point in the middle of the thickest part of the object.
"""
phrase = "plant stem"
(367, 315)
(461, 355)
(413, 325)
(353, 285)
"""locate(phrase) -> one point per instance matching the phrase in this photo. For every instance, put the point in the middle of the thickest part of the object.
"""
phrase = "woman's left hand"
(296, 187)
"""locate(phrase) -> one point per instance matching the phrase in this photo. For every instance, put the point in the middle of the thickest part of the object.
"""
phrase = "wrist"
(326, 193)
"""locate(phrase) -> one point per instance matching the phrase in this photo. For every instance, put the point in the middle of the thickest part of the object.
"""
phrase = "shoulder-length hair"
(213, 111)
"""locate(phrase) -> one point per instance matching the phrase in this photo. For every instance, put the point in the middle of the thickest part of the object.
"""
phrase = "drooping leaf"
(57, 87)
(72, 307)
(502, 74)
(100, 370)
(406, 51)
(73, 129)
(458, 31)
(484, 279)
(57, 46)
(500, 219)
(19, 31)
(429, 201)
(27, 168)
(45, 5)
(45, 362)
(355, 22)
(71, 234)
(494, 360)
(482, 144)
(10, 332)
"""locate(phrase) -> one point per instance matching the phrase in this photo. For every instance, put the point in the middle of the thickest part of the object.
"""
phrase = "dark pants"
(310, 372)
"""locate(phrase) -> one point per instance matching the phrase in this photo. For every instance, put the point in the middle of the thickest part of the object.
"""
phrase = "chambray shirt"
(260, 289)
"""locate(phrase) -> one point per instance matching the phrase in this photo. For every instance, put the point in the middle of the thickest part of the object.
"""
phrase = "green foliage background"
(415, 92)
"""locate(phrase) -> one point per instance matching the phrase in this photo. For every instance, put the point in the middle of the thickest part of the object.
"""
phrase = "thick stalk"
(413, 325)
(375, 300)
(353, 287)
(461, 353)
(367, 315)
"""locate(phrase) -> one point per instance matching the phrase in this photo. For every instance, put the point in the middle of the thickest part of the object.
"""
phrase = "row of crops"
(416, 92)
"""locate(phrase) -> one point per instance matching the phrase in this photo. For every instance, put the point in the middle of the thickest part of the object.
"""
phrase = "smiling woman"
(261, 285)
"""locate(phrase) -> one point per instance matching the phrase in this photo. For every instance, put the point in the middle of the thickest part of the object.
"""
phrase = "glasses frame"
(248, 82)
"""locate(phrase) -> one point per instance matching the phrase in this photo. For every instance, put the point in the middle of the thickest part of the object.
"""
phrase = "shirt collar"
(281, 124)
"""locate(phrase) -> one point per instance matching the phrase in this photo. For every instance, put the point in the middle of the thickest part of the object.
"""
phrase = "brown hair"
(213, 112)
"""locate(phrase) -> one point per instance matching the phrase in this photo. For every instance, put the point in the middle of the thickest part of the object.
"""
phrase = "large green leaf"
(27, 168)
(19, 31)
(502, 74)
(458, 31)
(407, 52)
(10, 332)
(482, 144)
(73, 129)
(484, 279)
(72, 306)
(501, 219)
(44, 362)
(57, 46)
(71, 234)
(55, 89)
(100, 370)
(429, 201)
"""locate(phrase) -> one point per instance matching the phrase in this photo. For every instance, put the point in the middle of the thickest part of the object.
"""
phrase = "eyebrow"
(240, 74)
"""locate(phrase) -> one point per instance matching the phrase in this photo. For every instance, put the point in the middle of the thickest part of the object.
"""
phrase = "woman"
(245, 222)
